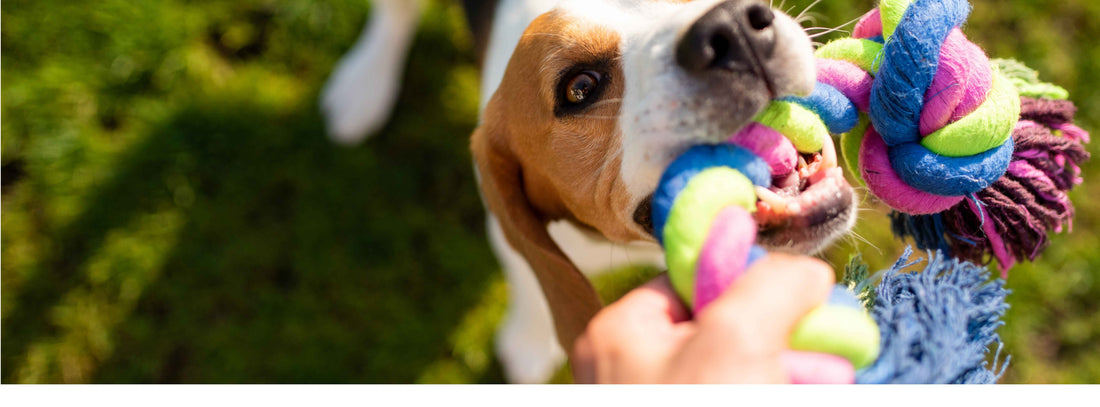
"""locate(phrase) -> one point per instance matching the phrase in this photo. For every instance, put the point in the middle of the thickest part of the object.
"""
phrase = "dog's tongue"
(796, 183)
(769, 145)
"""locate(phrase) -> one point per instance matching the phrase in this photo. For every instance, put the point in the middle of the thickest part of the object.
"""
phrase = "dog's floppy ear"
(573, 300)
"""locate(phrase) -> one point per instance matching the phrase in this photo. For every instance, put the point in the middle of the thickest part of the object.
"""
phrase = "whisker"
(838, 28)
(611, 254)
(816, 2)
(546, 60)
(828, 32)
(814, 16)
(864, 240)
(605, 102)
(851, 242)
(573, 40)
(852, 21)
(859, 237)
(585, 116)
(815, 35)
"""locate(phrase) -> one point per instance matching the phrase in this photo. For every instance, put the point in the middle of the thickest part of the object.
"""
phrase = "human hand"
(741, 337)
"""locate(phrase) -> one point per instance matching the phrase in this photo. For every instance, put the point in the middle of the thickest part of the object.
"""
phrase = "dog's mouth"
(802, 211)
(808, 208)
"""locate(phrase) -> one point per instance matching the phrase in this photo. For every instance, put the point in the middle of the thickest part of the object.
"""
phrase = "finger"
(583, 361)
(772, 296)
(641, 323)
(817, 368)
(653, 301)
(629, 340)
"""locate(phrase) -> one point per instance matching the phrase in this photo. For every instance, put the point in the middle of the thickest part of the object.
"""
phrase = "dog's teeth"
(817, 176)
(828, 154)
(786, 181)
(763, 209)
(777, 203)
(764, 213)
(801, 162)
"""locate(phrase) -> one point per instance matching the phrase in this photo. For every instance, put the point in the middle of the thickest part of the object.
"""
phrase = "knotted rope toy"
(974, 156)
(702, 208)
(935, 326)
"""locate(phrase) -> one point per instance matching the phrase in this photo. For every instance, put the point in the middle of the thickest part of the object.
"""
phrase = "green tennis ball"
(839, 330)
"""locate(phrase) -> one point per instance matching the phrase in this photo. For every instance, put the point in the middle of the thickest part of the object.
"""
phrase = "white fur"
(360, 94)
(526, 343)
(652, 99)
(659, 118)
(509, 22)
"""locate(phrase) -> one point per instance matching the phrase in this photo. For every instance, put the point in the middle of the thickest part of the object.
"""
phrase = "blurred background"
(173, 212)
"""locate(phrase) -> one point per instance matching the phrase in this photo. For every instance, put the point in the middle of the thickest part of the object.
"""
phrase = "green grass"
(172, 211)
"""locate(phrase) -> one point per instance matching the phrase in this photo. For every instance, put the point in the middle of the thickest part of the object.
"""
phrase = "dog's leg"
(526, 343)
(360, 94)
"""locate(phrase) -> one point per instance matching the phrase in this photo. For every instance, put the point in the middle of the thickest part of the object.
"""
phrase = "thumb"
(773, 295)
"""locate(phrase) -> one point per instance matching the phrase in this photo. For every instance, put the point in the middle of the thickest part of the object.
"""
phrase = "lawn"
(172, 211)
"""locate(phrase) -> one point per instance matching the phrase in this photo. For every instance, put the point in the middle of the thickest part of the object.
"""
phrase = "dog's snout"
(733, 36)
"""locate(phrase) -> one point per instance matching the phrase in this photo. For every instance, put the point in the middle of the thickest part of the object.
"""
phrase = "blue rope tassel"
(937, 325)
(928, 231)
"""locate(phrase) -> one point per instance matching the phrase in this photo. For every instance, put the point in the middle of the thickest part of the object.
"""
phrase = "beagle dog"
(584, 103)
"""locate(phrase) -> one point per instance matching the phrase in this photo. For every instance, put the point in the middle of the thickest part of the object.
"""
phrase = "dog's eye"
(578, 88)
(581, 87)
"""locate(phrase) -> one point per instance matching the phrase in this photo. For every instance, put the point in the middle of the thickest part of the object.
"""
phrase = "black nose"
(733, 36)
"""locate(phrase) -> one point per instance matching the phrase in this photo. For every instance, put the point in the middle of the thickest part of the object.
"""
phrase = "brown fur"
(537, 167)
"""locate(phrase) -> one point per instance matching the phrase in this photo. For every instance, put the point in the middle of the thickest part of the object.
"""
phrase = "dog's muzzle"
(733, 37)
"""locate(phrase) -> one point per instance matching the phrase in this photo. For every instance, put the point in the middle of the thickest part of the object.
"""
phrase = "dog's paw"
(529, 353)
(359, 98)
(361, 93)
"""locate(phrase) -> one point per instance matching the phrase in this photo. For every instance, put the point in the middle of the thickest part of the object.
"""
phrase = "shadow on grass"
(300, 262)
(296, 260)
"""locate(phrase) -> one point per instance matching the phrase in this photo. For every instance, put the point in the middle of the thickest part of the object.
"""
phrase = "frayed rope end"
(937, 325)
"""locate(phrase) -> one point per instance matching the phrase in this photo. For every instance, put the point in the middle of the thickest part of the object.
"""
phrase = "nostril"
(726, 38)
(720, 46)
(760, 17)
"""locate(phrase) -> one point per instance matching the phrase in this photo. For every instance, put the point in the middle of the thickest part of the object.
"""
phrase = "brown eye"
(581, 87)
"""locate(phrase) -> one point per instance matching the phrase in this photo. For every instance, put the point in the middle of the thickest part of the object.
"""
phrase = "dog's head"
(600, 96)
